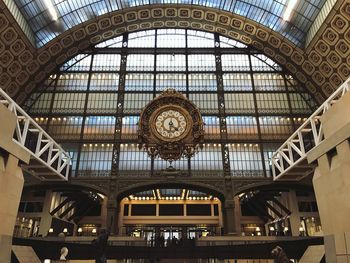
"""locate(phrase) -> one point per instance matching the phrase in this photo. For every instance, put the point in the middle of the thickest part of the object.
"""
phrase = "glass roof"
(73, 12)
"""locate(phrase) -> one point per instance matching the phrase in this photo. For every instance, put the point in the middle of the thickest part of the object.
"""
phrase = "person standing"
(100, 245)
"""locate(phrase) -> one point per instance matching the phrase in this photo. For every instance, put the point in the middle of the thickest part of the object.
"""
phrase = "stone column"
(290, 201)
(228, 208)
(238, 215)
(11, 185)
(112, 216)
(104, 212)
(332, 180)
(228, 213)
(11, 180)
(46, 218)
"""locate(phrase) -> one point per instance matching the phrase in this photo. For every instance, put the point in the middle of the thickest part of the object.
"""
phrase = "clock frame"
(177, 126)
(166, 143)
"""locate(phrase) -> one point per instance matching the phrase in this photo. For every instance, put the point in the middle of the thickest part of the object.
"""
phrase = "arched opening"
(170, 214)
(92, 104)
(263, 104)
(278, 209)
(56, 210)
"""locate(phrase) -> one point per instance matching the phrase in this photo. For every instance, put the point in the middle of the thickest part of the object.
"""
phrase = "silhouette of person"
(162, 241)
(100, 245)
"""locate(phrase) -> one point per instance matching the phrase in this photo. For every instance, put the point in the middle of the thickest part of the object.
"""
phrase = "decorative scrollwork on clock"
(170, 127)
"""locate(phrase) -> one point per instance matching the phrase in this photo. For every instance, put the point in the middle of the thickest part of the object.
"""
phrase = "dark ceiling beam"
(285, 209)
(78, 211)
(65, 212)
(273, 209)
(65, 201)
(84, 212)
(257, 212)
(261, 208)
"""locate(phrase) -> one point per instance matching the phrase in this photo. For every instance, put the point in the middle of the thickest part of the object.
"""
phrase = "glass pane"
(99, 127)
(72, 81)
(140, 62)
(207, 159)
(200, 39)
(171, 62)
(201, 63)
(202, 82)
(242, 127)
(106, 62)
(104, 82)
(237, 82)
(171, 38)
(241, 103)
(69, 103)
(95, 159)
(269, 82)
(235, 62)
(65, 128)
(139, 82)
(102, 103)
(142, 39)
(245, 160)
(175, 81)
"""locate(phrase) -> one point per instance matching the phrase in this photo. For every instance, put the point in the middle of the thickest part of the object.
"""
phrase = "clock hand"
(171, 124)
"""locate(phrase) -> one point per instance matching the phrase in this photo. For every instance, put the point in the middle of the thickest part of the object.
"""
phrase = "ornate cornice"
(320, 69)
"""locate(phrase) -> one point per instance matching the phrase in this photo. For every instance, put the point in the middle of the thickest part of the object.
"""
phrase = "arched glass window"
(262, 104)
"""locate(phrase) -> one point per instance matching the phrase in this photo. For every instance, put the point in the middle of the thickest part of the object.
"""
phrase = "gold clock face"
(171, 124)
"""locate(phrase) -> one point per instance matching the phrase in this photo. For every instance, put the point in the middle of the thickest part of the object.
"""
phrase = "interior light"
(51, 9)
(101, 196)
(65, 230)
(94, 231)
(80, 230)
(289, 9)
(51, 230)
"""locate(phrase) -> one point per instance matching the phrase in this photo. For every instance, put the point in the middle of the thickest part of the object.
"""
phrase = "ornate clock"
(170, 127)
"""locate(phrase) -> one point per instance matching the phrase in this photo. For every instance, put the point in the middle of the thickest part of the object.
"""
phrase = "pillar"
(238, 215)
(11, 180)
(290, 200)
(11, 185)
(46, 218)
(228, 213)
(332, 181)
(228, 208)
(104, 212)
(112, 216)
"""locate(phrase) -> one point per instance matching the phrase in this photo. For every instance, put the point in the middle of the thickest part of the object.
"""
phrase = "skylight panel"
(70, 13)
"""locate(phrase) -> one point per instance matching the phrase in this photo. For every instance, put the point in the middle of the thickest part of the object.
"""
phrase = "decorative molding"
(320, 79)
(215, 185)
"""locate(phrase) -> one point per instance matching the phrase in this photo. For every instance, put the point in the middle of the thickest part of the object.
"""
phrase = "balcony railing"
(48, 160)
(289, 161)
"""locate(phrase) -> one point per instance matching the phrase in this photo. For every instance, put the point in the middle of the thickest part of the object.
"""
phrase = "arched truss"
(191, 186)
(320, 68)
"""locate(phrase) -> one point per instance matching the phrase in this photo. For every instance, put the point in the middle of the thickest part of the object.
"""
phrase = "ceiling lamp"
(51, 9)
(290, 7)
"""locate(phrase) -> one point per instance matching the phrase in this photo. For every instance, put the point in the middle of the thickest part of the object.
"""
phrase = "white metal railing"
(307, 136)
(42, 148)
